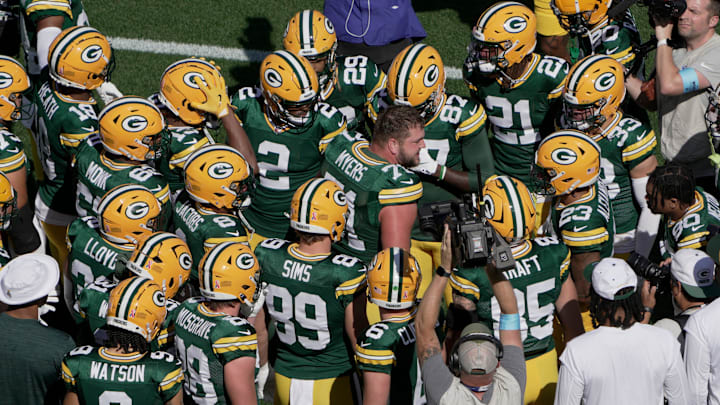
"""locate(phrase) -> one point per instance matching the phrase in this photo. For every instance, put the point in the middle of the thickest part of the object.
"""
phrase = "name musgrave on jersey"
(194, 324)
(117, 372)
(350, 165)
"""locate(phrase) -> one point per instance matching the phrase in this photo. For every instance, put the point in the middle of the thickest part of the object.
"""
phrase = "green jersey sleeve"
(350, 281)
(587, 225)
(12, 154)
(640, 142)
(233, 338)
(375, 350)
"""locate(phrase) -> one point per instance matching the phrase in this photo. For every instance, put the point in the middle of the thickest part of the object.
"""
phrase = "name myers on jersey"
(350, 166)
(101, 254)
(97, 175)
(296, 271)
(188, 214)
(49, 104)
(194, 324)
(523, 267)
(117, 372)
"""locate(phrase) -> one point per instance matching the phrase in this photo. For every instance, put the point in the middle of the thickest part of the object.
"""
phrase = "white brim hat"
(28, 278)
(612, 275)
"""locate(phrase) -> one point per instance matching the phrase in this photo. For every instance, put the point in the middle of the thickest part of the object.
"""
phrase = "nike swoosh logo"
(409, 182)
(91, 129)
(611, 51)
(156, 189)
(340, 124)
(236, 233)
(579, 228)
(696, 227)
(13, 150)
(364, 344)
(245, 332)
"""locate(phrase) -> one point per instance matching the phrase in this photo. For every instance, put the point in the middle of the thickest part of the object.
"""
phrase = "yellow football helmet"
(13, 82)
(8, 202)
(290, 89)
(569, 159)
(219, 175)
(137, 305)
(417, 78)
(503, 35)
(578, 16)
(164, 258)
(131, 127)
(230, 271)
(310, 34)
(594, 89)
(393, 279)
(319, 206)
(81, 57)
(509, 208)
(128, 212)
(178, 89)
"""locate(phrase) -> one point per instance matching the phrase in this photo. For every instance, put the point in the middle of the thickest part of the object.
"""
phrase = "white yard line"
(210, 51)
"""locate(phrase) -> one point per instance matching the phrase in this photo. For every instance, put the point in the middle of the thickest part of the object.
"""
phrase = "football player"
(161, 257)
(13, 161)
(349, 83)
(216, 344)
(382, 193)
(192, 93)
(218, 184)
(455, 139)
(80, 61)
(99, 246)
(314, 297)
(688, 211)
(385, 352)
(582, 215)
(124, 370)
(289, 129)
(593, 92)
(8, 208)
(541, 280)
(520, 89)
(130, 135)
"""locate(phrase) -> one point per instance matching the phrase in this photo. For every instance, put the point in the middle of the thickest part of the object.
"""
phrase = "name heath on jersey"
(49, 104)
(118, 372)
(350, 166)
(194, 324)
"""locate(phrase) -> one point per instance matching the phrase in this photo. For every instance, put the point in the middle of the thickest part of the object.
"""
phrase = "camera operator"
(692, 285)
(487, 371)
(622, 361)
(683, 74)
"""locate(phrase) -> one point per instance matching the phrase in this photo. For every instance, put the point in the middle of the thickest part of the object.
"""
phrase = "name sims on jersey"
(97, 175)
(194, 324)
(117, 372)
(101, 254)
(350, 166)
(49, 104)
(296, 271)
(523, 267)
(189, 216)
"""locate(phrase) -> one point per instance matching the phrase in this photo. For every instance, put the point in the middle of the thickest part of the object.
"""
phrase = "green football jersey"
(614, 38)
(388, 347)
(287, 158)
(541, 267)
(624, 144)
(33, 11)
(91, 256)
(588, 224)
(179, 143)
(691, 231)
(98, 173)
(100, 377)
(359, 81)
(521, 115)
(370, 183)
(205, 342)
(60, 126)
(307, 297)
(12, 152)
(202, 229)
(4, 254)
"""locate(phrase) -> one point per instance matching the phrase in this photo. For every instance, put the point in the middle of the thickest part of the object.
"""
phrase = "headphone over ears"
(455, 358)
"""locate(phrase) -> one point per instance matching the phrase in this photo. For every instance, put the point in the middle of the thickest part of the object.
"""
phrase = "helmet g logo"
(431, 75)
(563, 156)
(189, 79)
(273, 78)
(605, 81)
(91, 54)
(339, 198)
(489, 206)
(245, 261)
(329, 26)
(6, 80)
(515, 24)
(137, 210)
(134, 123)
(185, 261)
(220, 170)
(159, 299)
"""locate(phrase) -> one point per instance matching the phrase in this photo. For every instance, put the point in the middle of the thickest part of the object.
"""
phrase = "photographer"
(486, 371)
(683, 74)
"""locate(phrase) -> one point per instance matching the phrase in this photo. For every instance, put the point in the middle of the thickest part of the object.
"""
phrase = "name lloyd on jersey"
(189, 216)
(194, 324)
(354, 169)
(97, 175)
(118, 372)
(296, 271)
(49, 104)
(101, 254)
(523, 267)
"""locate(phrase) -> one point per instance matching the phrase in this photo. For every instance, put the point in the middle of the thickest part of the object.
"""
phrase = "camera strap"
(619, 8)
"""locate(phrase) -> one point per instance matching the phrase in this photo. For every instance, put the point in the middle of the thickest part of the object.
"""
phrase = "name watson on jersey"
(118, 372)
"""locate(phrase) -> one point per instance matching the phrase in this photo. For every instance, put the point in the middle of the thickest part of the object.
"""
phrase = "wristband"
(690, 80)
(648, 309)
(440, 271)
(443, 170)
(509, 322)
(662, 42)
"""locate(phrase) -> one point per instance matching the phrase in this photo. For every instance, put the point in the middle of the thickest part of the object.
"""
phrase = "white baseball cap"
(695, 270)
(612, 275)
(27, 278)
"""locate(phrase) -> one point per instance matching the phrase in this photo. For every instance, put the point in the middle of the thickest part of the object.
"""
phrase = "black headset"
(455, 358)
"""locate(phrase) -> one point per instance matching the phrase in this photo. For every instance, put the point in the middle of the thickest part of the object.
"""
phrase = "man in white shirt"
(622, 361)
